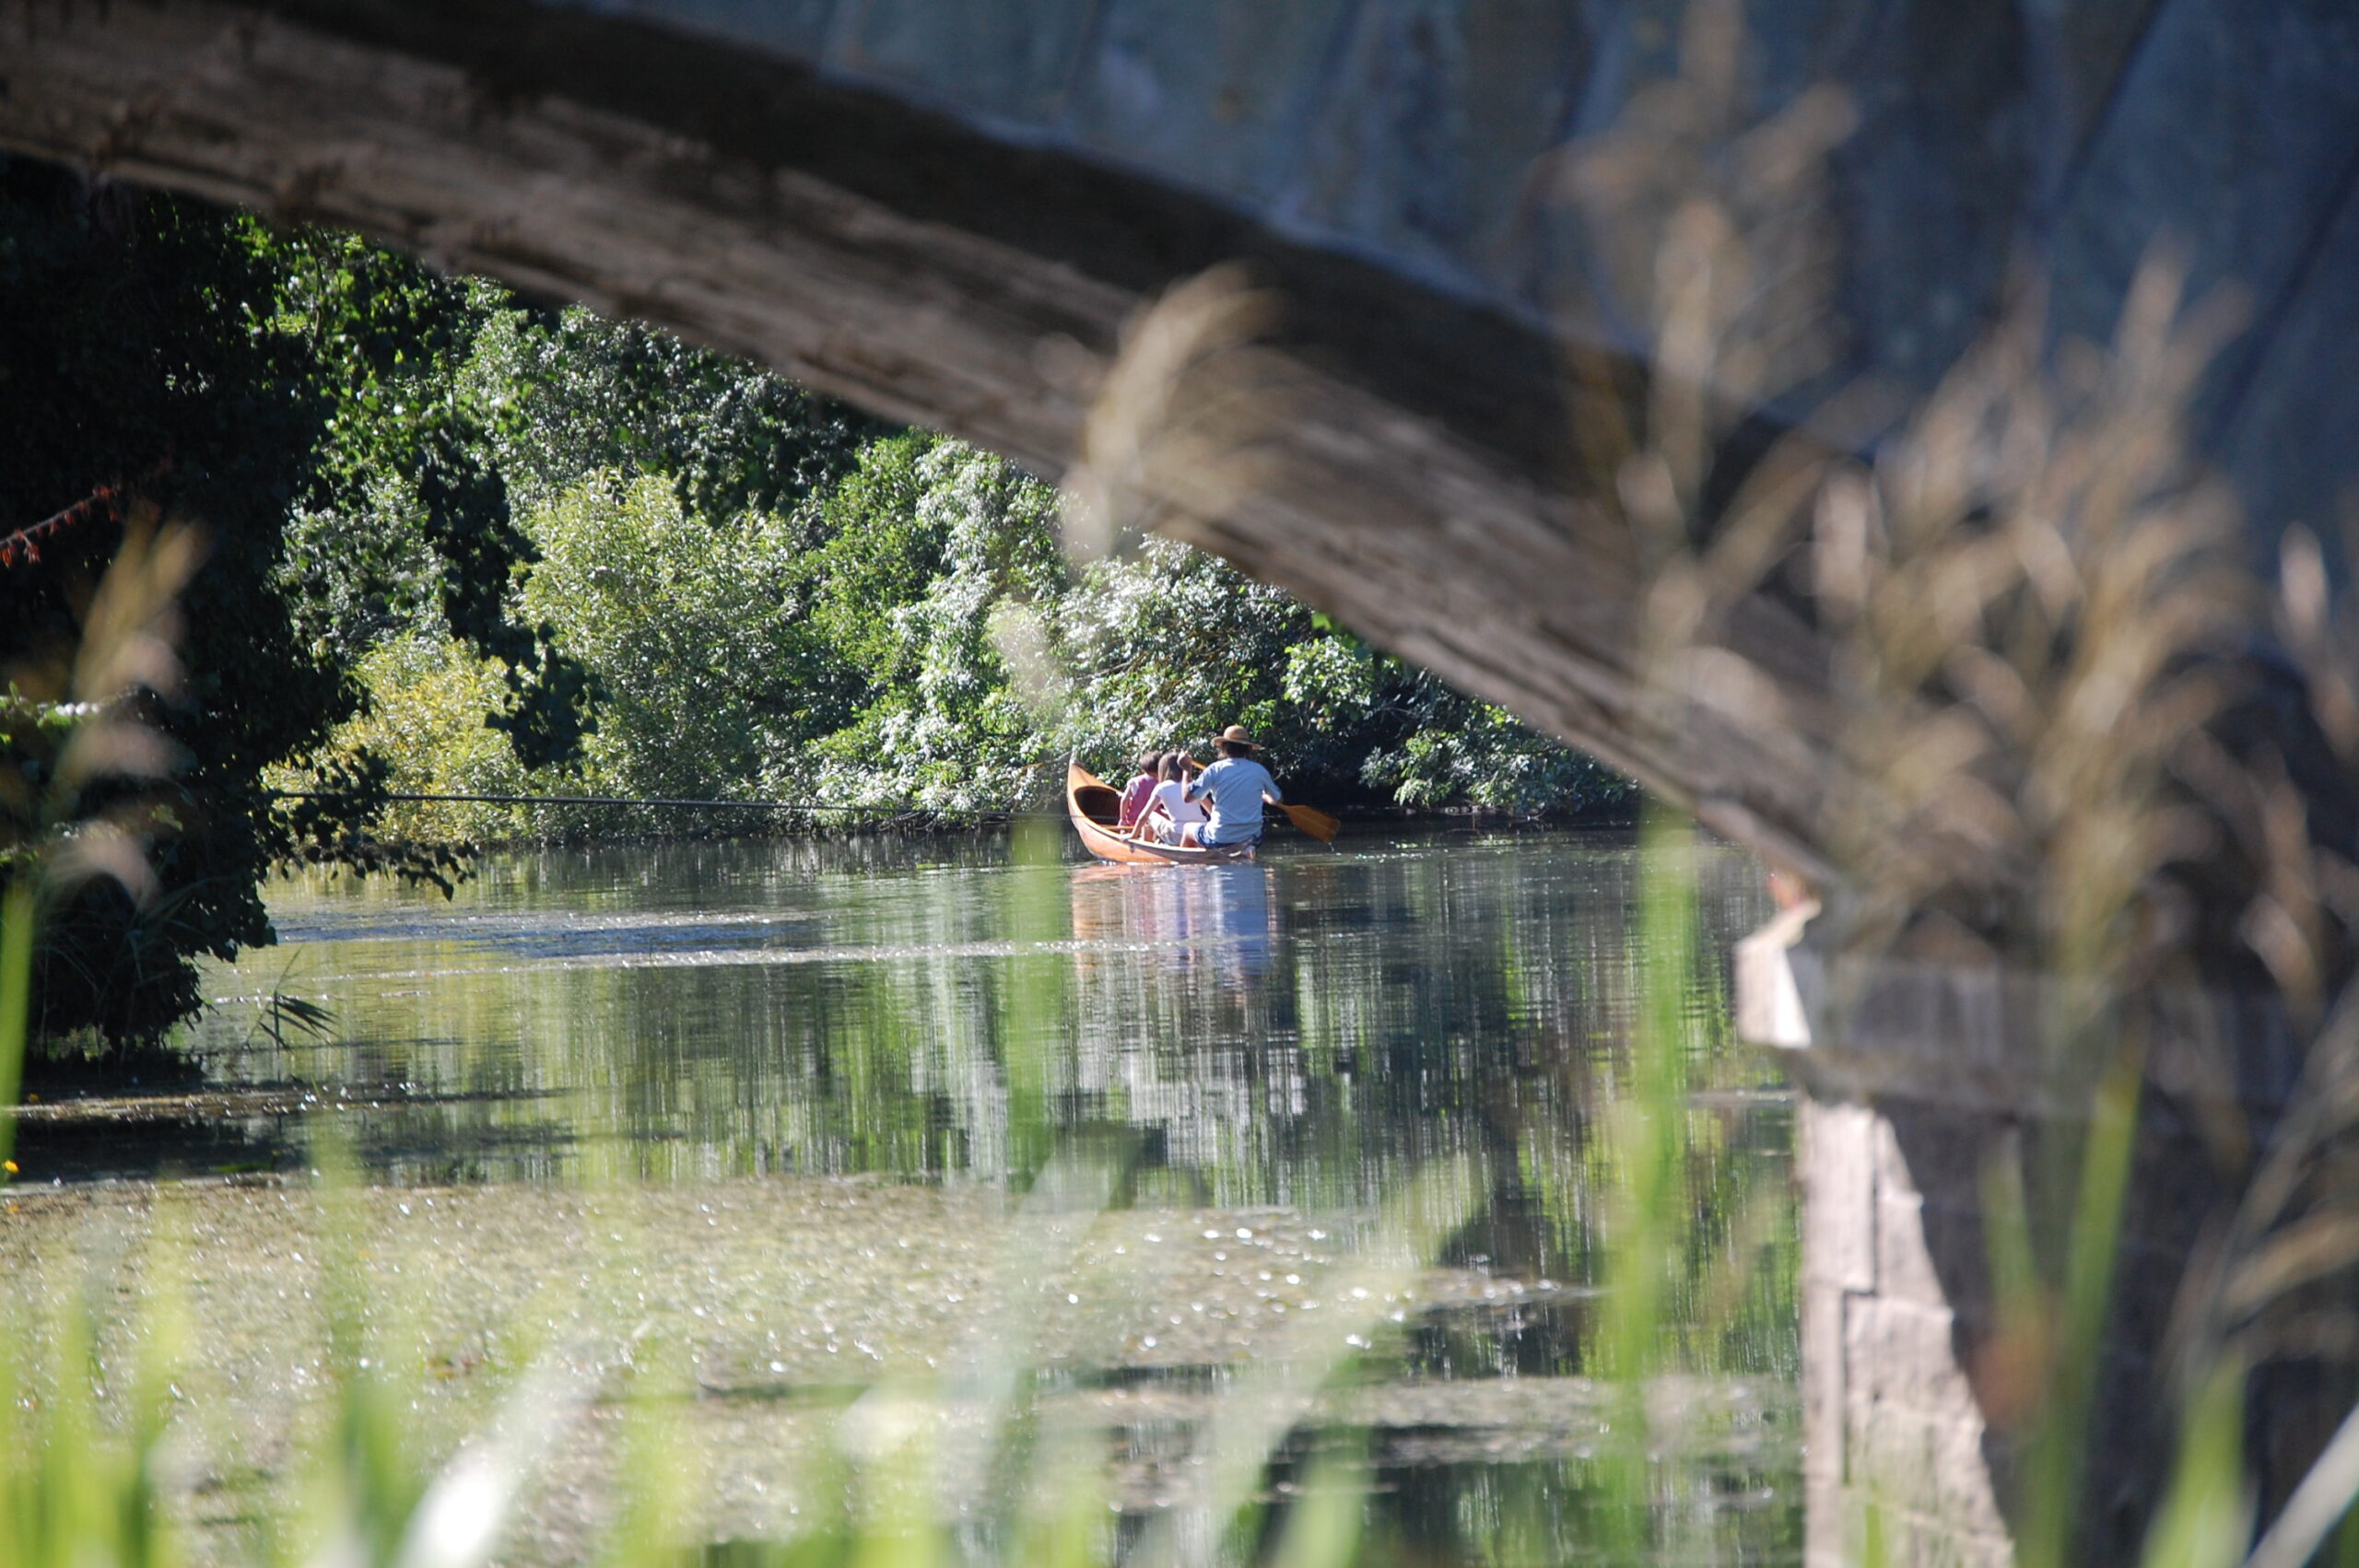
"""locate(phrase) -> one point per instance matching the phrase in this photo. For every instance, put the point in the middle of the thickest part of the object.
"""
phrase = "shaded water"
(1262, 1055)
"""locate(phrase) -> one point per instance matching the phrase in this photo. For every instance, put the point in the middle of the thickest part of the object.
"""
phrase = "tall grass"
(2038, 737)
(110, 1440)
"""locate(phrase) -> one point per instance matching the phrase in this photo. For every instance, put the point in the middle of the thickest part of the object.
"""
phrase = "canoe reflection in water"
(1215, 917)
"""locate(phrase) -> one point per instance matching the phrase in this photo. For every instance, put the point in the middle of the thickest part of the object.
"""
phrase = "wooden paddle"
(1311, 820)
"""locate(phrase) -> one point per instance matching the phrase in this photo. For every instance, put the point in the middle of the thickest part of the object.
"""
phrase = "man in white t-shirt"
(1233, 790)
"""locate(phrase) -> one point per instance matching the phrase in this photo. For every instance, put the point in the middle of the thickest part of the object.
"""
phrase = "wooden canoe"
(1096, 807)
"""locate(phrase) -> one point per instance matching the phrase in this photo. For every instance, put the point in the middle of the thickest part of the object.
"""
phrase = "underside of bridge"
(947, 212)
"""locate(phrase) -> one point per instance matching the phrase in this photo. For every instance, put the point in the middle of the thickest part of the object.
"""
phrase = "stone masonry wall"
(1914, 1408)
(1889, 1417)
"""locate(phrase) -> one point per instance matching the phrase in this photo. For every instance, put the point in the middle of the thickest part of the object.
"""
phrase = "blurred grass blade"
(2059, 1455)
(2321, 1502)
(2205, 1519)
(459, 1519)
(988, 1374)
(16, 997)
(1275, 1394)
(1330, 1511)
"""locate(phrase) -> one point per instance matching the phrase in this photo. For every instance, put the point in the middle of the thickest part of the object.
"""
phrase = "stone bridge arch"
(947, 211)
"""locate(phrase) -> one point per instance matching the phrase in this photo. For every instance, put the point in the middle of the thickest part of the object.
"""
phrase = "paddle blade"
(1311, 820)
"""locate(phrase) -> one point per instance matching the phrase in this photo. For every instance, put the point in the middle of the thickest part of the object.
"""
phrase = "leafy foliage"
(690, 628)
(146, 347)
(572, 393)
(913, 638)
(404, 456)
(430, 697)
(943, 724)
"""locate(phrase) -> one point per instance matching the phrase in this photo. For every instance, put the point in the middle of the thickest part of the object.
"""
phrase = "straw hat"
(1236, 736)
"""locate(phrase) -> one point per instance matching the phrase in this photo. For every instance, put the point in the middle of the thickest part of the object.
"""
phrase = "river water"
(862, 1055)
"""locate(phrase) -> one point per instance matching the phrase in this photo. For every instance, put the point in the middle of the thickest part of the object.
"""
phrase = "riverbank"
(662, 821)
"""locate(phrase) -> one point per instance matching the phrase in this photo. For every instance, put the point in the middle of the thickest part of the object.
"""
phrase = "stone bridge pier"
(1919, 1100)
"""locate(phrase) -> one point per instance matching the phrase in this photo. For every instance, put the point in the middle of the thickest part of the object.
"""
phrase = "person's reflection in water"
(1184, 915)
(1232, 916)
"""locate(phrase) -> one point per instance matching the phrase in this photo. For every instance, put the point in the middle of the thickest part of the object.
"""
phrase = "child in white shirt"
(1170, 814)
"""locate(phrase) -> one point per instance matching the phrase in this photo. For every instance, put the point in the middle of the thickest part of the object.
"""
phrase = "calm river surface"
(875, 1046)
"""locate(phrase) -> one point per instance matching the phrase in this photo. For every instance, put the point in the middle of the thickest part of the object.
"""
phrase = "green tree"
(694, 630)
(913, 637)
(146, 349)
(408, 524)
(1170, 645)
(569, 393)
(430, 698)
(934, 551)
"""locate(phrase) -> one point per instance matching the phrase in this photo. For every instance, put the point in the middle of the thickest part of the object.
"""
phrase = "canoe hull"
(1095, 806)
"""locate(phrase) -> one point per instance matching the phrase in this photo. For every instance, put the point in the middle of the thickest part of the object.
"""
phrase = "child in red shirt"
(1135, 792)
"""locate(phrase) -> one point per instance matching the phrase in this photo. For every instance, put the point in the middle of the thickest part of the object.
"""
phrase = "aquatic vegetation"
(791, 1369)
(427, 1378)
